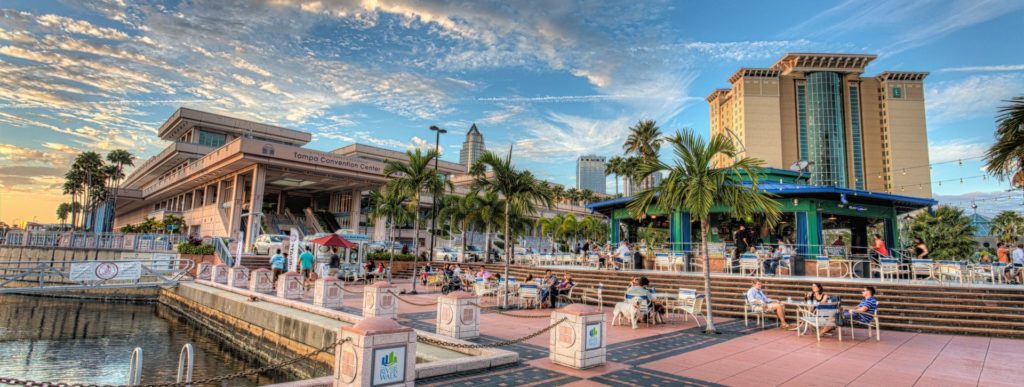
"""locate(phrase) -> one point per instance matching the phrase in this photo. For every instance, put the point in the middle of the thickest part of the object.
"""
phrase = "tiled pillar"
(378, 300)
(238, 277)
(579, 342)
(328, 292)
(375, 352)
(261, 280)
(290, 286)
(204, 271)
(220, 273)
(458, 315)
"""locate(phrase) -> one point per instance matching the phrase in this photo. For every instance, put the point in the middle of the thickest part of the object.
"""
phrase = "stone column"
(354, 214)
(378, 300)
(261, 280)
(204, 271)
(238, 277)
(458, 315)
(290, 286)
(579, 342)
(378, 352)
(220, 273)
(328, 292)
(259, 177)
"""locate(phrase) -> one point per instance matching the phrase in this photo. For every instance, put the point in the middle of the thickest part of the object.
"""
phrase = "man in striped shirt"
(864, 312)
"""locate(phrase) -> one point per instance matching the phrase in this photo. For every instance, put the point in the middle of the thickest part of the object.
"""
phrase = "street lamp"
(433, 208)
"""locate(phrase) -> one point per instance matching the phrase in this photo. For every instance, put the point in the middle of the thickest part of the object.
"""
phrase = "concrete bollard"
(261, 280)
(378, 300)
(458, 315)
(290, 286)
(328, 292)
(220, 273)
(238, 277)
(378, 352)
(204, 271)
(579, 342)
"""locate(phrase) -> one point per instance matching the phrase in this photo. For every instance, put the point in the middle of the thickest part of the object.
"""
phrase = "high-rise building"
(632, 188)
(590, 173)
(857, 132)
(472, 148)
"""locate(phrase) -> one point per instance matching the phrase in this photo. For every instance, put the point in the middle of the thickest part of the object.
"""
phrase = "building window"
(215, 140)
(897, 92)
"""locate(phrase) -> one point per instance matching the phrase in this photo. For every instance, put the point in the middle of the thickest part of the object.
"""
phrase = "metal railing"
(58, 275)
(223, 251)
(90, 240)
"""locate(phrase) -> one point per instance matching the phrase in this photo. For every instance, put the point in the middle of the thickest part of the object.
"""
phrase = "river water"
(82, 341)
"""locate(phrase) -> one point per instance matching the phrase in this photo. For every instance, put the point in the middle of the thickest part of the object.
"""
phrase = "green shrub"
(188, 248)
(383, 256)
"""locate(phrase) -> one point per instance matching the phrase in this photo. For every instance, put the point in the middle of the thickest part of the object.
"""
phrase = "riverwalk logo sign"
(389, 367)
(593, 340)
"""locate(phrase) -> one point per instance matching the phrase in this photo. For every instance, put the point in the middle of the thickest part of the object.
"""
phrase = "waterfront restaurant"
(813, 216)
(228, 177)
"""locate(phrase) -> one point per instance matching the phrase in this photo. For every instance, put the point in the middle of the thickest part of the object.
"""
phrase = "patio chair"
(755, 308)
(889, 268)
(593, 260)
(996, 270)
(717, 251)
(529, 295)
(677, 260)
(786, 263)
(661, 260)
(824, 315)
(822, 263)
(688, 304)
(749, 262)
(950, 270)
(872, 323)
(567, 297)
(596, 295)
(642, 303)
(922, 266)
(482, 290)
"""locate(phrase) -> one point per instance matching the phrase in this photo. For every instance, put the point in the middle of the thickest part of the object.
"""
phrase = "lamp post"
(433, 208)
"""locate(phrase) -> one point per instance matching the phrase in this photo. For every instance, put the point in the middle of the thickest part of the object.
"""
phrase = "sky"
(550, 79)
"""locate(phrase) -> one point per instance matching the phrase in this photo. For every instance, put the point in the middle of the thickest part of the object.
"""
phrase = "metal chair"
(661, 260)
(755, 308)
(824, 316)
(822, 263)
(889, 268)
(688, 304)
(529, 294)
(872, 323)
(749, 262)
(922, 266)
(597, 298)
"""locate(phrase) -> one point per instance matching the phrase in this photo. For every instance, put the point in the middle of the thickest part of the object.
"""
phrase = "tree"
(614, 167)
(118, 158)
(521, 190)
(490, 217)
(947, 232)
(644, 140)
(694, 186)
(174, 222)
(1007, 226)
(73, 181)
(1005, 159)
(62, 213)
(388, 203)
(464, 212)
(414, 178)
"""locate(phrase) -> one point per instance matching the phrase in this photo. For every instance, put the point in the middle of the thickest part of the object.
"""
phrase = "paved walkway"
(679, 353)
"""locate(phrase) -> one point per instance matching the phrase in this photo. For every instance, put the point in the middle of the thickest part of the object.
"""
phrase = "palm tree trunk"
(508, 254)
(416, 243)
(487, 243)
(391, 250)
(462, 254)
(710, 328)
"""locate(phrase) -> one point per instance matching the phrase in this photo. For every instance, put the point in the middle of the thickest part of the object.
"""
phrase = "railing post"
(238, 277)
(135, 368)
(186, 361)
(379, 300)
(580, 341)
(458, 315)
(261, 281)
(220, 273)
(328, 292)
(375, 352)
(290, 286)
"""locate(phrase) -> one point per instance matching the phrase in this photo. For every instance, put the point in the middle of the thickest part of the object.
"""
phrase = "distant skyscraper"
(631, 188)
(472, 148)
(590, 173)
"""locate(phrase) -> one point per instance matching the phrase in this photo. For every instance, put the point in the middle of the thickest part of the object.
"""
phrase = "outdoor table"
(802, 308)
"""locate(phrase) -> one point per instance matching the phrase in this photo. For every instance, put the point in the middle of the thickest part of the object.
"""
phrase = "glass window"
(897, 92)
(215, 140)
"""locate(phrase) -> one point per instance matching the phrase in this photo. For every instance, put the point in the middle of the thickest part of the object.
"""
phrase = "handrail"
(135, 368)
(186, 361)
(223, 251)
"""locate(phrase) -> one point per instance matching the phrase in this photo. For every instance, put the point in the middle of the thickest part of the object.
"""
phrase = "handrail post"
(135, 368)
(186, 361)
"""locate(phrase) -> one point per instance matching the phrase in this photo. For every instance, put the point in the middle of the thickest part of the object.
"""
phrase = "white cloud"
(743, 50)
(989, 203)
(973, 69)
(561, 137)
(953, 150)
(974, 96)
(80, 27)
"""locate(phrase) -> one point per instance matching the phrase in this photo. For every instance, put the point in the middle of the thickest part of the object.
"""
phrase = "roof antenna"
(802, 167)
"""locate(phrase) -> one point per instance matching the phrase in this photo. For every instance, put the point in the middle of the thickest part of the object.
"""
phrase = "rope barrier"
(447, 344)
(497, 310)
(214, 380)
(400, 298)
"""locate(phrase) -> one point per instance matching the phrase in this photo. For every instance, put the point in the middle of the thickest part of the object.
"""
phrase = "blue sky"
(552, 79)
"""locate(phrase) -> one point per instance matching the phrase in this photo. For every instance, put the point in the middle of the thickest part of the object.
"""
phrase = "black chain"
(236, 375)
(410, 302)
(448, 344)
(498, 310)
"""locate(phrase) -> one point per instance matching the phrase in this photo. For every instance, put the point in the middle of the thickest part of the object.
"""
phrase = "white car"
(445, 254)
(269, 243)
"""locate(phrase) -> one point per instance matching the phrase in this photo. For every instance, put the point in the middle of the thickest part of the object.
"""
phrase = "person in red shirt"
(879, 247)
(1002, 253)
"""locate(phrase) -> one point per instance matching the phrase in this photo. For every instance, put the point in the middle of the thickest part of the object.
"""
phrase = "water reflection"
(67, 340)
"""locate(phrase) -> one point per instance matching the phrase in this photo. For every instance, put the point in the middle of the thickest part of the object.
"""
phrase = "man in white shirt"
(1017, 259)
(621, 255)
(757, 297)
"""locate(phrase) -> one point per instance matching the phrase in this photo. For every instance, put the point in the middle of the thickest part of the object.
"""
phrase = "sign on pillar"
(220, 273)
(328, 293)
(204, 271)
(261, 280)
(375, 352)
(290, 286)
(458, 315)
(578, 342)
(238, 277)
(379, 300)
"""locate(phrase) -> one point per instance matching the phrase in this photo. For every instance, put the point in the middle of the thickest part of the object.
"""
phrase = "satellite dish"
(800, 166)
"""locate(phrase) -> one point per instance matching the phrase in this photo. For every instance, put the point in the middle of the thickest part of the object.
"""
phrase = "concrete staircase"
(922, 307)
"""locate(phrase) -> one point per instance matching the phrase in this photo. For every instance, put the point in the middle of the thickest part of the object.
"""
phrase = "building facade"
(472, 148)
(865, 133)
(590, 173)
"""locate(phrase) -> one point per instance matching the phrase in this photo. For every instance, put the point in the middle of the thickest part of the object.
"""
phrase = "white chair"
(643, 307)
(593, 260)
(786, 263)
(950, 270)
(596, 295)
(750, 263)
(922, 266)
(822, 263)
(889, 268)
(824, 315)
(689, 304)
(529, 295)
(755, 308)
(872, 323)
(482, 290)
(662, 262)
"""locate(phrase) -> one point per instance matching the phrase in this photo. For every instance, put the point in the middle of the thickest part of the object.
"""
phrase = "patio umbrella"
(333, 240)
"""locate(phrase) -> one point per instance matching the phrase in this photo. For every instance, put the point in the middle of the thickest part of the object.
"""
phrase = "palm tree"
(89, 165)
(118, 158)
(548, 226)
(469, 207)
(592, 228)
(947, 231)
(693, 186)
(492, 212)
(415, 177)
(644, 139)
(614, 167)
(558, 192)
(573, 194)
(1005, 159)
(586, 196)
(388, 203)
(1006, 226)
(73, 186)
(630, 166)
(62, 213)
(521, 190)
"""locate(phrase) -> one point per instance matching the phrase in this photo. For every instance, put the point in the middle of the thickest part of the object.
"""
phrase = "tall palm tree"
(573, 194)
(521, 190)
(694, 186)
(1006, 226)
(644, 139)
(592, 228)
(614, 167)
(467, 211)
(1005, 159)
(90, 165)
(388, 203)
(415, 177)
(119, 159)
(62, 213)
(586, 196)
(490, 217)
(73, 186)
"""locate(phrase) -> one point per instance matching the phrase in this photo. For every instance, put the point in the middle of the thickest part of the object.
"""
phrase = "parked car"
(269, 243)
(382, 246)
(474, 253)
(445, 254)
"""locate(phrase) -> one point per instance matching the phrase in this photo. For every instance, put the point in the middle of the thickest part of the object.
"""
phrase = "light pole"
(433, 208)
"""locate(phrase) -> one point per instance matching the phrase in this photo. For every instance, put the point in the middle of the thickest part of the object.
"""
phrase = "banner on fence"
(293, 249)
(105, 271)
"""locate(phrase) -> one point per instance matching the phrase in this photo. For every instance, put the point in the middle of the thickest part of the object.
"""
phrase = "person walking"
(742, 243)
(306, 260)
(920, 249)
(277, 262)
(878, 249)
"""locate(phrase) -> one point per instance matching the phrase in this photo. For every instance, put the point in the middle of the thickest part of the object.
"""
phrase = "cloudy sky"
(553, 79)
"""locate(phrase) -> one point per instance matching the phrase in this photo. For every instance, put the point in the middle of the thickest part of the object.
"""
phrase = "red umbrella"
(333, 240)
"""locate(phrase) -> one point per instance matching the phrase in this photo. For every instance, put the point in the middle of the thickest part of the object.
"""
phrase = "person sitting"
(757, 297)
(603, 256)
(622, 255)
(864, 313)
(456, 271)
(771, 265)
(483, 274)
(548, 285)
(563, 287)
(656, 304)
(817, 294)
(425, 273)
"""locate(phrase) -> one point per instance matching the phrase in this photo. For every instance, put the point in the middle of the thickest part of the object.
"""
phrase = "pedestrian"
(742, 243)
(306, 260)
(920, 249)
(277, 263)
(878, 249)
(334, 263)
